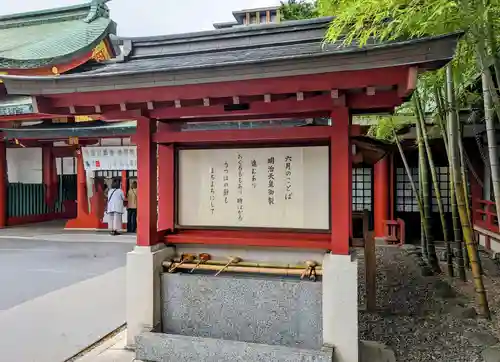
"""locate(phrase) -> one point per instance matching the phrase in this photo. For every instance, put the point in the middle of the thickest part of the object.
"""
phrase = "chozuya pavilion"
(249, 256)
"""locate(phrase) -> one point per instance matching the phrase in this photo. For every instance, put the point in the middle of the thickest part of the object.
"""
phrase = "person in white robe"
(115, 207)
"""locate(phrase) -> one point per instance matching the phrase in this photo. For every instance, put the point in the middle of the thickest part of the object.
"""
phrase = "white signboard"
(285, 187)
(110, 158)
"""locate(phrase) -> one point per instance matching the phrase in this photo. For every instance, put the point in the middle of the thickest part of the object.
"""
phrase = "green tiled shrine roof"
(50, 37)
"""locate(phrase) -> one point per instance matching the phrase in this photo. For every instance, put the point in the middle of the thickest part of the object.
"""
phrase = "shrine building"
(244, 234)
(38, 152)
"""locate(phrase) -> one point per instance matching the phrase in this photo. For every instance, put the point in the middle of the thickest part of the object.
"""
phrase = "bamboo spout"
(247, 269)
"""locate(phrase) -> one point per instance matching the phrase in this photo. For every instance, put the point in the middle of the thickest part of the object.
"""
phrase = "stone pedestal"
(144, 266)
(257, 317)
(340, 306)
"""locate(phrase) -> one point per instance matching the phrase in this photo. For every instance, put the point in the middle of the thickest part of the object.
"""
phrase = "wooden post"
(381, 195)
(4, 183)
(82, 198)
(147, 234)
(340, 182)
(166, 181)
(370, 265)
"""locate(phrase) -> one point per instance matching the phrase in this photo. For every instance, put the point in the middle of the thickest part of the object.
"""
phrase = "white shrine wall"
(280, 187)
(66, 165)
(24, 165)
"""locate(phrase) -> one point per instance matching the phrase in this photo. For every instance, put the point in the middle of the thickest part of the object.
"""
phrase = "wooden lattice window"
(444, 188)
(405, 198)
(362, 182)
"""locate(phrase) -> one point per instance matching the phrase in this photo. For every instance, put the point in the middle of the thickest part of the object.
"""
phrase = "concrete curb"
(74, 238)
(89, 353)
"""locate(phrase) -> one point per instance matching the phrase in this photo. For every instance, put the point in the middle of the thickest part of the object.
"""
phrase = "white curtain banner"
(110, 158)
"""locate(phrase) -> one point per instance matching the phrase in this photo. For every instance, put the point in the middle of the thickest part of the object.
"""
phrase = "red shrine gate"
(260, 72)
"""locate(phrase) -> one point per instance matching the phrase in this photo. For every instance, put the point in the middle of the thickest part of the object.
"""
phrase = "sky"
(153, 17)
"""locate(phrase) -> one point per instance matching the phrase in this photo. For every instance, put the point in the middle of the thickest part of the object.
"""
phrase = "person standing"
(115, 207)
(132, 208)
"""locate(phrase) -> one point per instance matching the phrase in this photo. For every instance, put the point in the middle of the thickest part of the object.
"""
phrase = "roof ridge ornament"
(98, 9)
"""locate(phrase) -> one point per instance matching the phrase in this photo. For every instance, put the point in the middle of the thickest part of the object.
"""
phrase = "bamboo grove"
(434, 105)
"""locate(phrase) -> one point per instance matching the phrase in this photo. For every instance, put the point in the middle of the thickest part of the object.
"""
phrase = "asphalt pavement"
(58, 297)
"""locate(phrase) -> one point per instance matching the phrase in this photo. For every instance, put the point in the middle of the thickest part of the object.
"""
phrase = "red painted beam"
(261, 135)
(308, 105)
(27, 117)
(362, 101)
(262, 117)
(252, 87)
(258, 238)
(408, 86)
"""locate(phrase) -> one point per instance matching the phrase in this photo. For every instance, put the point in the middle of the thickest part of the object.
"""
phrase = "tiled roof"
(239, 53)
(50, 37)
(241, 45)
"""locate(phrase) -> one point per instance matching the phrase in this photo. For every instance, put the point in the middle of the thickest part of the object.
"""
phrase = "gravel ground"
(423, 318)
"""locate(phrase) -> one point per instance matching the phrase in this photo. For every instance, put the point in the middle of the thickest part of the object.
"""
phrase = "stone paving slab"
(112, 350)
(58, 325)
(71, 237)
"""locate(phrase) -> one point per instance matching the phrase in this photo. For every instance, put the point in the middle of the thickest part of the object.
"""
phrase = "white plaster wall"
(24, 165)
(111, 142)
(66, 165)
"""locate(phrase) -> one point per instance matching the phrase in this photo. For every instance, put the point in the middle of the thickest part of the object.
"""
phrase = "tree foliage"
(367, 21)
(371, 21)
(299, 9)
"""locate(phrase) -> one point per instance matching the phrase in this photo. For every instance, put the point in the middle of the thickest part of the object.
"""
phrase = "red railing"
(485, 215)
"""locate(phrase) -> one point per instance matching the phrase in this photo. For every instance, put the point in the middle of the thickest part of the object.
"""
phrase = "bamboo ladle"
(203, 257)
(232, 260)
(310, 269)
(184, 258)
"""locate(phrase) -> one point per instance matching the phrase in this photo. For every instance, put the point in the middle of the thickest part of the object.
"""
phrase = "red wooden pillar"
(3, 185)
(81, 192)
(49, 173)
(124, 182)
(340, 182)
(381, 195)
(166, 181)
(147, 234)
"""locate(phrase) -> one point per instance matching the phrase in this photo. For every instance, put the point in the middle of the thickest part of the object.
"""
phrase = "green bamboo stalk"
(423, 231)
(459, 190)
(440, 116)
(457, 232)
(463, 173)
(492, 143)
(412, 182)
(492, 42)
(435, 183)
(426, 202)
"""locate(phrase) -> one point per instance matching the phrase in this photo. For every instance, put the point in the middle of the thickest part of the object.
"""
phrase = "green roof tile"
(50, 37)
